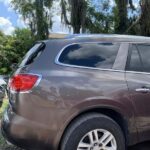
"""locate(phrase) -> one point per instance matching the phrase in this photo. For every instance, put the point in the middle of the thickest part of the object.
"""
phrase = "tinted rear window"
(139, 58)
(96, 55)
(32, 54)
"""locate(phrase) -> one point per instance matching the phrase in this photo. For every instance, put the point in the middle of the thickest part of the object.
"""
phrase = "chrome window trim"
(83, 67)
(101, 69)
(138, 72)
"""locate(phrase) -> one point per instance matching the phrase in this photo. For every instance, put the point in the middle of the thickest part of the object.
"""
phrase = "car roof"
(108, 37)
(112, 37)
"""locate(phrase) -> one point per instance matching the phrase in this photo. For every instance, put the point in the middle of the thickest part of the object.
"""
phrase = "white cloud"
(20, 22)
(112, 3)
(6, 26)
(6, 2)
(58, 27)
(136, 3)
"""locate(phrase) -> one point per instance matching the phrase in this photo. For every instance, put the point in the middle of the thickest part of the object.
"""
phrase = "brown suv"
(83, 92)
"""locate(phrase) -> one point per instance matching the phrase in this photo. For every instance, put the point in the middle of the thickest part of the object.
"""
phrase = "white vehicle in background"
(2, 80)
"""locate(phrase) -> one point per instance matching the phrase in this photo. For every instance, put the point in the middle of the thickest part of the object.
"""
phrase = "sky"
(9, 19)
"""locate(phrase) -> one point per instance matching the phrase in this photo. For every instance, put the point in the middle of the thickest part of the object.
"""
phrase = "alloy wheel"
(98, 139)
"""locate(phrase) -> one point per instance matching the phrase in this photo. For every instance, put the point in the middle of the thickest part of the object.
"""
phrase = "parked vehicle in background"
(83, 92)
(3, 85)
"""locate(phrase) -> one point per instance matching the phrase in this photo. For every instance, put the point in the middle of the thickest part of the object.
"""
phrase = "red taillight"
(23, 82)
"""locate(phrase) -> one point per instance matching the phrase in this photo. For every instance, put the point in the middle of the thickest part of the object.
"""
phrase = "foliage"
(144, 20)
(3, 108)
(120, 12)
(99, 18)
(93, 16)
(38, 15)
(13, 48)
(77, 10)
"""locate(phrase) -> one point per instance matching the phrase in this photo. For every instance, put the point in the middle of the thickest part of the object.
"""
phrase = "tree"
(23, 40)
(99, 17)
(141, 23)
(38, 15)
(121, 15)
(144, 19)
(13, 48)
(77, 10)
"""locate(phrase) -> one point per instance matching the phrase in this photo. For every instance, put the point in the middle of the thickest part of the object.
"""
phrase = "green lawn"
(4, 106)
(2, 109)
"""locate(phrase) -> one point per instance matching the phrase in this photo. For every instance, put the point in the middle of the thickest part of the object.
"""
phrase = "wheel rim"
(98, 139)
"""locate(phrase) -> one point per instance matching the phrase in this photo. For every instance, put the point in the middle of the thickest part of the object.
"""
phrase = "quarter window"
(96, 55)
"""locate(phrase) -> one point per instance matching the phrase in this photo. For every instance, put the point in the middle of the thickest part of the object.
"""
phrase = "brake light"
(23, 82)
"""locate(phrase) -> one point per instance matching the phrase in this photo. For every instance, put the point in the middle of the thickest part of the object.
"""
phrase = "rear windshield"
(32, 54)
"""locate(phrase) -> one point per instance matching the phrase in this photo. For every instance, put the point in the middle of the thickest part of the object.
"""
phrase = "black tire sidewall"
(88, 123)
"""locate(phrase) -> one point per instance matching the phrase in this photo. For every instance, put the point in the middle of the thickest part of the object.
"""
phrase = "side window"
(139, 59)
(96, 55)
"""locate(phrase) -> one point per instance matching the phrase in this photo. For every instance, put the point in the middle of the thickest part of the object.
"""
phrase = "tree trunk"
(76, 29)
(41, 28)
(121, 16)
(78, 14)
(78, 9)
(145, 17)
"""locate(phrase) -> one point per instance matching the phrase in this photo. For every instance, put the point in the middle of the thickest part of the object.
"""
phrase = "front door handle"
(143, 90)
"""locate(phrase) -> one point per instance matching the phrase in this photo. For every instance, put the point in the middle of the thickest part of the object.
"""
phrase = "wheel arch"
(115, 115)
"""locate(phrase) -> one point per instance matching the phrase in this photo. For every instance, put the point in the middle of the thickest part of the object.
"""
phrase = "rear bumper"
(24, 133)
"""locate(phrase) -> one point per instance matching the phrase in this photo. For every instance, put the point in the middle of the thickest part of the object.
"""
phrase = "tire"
(81, 128)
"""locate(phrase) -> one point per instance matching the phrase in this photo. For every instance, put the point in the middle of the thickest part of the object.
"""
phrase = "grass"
(3, 107)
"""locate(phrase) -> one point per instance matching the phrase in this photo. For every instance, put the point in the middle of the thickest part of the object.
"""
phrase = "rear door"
(138, 81)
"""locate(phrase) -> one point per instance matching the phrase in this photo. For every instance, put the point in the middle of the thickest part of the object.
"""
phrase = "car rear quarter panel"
(84, 89)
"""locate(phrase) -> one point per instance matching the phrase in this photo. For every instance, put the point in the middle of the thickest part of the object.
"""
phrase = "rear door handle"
(143, 90)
